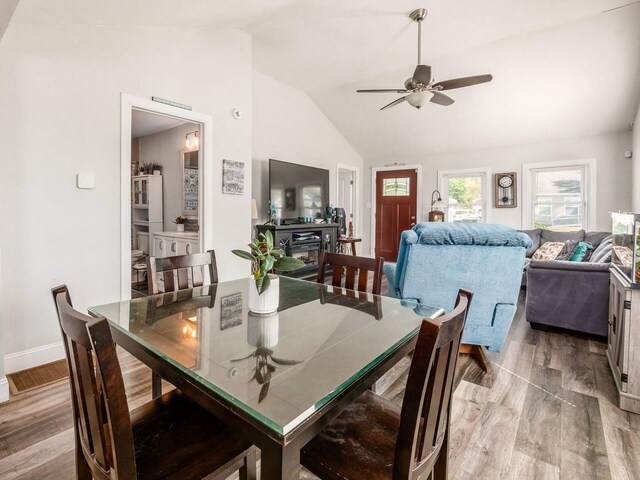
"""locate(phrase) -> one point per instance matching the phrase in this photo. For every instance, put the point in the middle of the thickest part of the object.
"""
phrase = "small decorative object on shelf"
(271, 214)
(505, 190)
(436, 214)
(156, 169)
(264, 286)
(329, 213)
(180, 221)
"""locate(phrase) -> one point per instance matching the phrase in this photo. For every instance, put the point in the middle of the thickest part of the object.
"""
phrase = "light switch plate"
(85, 180)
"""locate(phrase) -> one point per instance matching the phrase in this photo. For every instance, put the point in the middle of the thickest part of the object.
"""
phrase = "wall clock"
(505, 189)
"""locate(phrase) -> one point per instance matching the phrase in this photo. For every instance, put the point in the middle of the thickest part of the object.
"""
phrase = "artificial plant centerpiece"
(264, 286)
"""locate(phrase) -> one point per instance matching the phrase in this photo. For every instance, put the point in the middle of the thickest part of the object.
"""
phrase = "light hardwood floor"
(548, 412)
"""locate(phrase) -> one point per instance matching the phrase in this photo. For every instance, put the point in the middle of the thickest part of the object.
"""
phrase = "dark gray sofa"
(571, 295)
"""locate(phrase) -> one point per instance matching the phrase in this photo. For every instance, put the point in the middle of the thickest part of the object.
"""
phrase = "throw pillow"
(602, 254)
(580, 252)
(548, 251)
(568, 249)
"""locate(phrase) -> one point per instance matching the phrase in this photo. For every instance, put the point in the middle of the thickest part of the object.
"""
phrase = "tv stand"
(304, 241)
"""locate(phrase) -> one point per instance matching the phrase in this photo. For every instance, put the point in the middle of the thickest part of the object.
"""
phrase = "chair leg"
(156, 385)
(248, 469)
(479, 355)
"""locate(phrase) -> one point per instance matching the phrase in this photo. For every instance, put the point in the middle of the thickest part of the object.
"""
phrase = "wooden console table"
(623, 345)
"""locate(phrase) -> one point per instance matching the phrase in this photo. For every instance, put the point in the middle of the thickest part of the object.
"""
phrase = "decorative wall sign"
(232, 177)
(505, 190)
(231, 311)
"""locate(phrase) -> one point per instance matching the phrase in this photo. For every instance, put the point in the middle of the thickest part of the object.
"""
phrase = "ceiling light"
(418, 99)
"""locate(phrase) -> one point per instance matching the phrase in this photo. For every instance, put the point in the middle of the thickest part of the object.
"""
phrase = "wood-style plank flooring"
(548, 412)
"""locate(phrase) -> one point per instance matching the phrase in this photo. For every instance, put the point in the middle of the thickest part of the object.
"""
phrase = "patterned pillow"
(548, 251)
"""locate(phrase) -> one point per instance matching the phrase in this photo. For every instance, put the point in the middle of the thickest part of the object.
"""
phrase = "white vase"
(269, 300)
(262, 330)
(180, 227)
(156, 172)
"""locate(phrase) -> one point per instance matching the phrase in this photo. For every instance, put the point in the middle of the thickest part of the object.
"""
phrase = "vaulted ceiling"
(562, 68)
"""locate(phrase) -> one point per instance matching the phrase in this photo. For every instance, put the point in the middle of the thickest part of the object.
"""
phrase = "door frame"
(374, 172)
(356, 193)
(205, 165)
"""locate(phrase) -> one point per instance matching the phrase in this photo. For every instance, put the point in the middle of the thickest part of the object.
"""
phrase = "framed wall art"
(232, 177)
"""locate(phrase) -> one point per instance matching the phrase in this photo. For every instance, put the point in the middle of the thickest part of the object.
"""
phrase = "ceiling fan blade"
(422, 74)
(394, 103)
(384, 90)
(463, 82)
(441, 99)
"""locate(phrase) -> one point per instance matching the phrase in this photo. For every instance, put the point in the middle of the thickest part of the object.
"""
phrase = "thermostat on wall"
(85, 180)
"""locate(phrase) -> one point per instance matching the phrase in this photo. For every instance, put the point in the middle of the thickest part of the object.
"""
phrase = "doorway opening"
(164, 191)
(395, 192)
(347, 199)
(164, 169)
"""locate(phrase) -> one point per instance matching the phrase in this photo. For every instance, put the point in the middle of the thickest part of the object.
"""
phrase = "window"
(558, 197)
(465, 193)
(395, 187)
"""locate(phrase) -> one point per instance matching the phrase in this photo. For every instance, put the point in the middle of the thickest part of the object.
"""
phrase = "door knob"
(413, 224)
(413, 217)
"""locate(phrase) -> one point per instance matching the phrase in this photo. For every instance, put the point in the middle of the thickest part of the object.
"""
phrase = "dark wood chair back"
(100, 410)
(360, 266)
(181, 266)
(424, 420)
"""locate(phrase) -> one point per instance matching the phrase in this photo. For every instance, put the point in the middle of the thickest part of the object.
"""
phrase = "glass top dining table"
(277, 369)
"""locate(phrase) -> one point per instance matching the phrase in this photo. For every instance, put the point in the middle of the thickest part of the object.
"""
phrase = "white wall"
(289, 126)
(613, 171)
(61, 97)
(165, 148)
(635, 146)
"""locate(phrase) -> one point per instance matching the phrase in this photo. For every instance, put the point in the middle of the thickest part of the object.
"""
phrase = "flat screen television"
(297, 190)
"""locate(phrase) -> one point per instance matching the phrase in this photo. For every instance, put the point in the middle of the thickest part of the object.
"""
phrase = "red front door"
(395, 209)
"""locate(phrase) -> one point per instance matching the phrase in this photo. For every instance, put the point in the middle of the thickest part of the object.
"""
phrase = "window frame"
(483, 172)
(589, 189)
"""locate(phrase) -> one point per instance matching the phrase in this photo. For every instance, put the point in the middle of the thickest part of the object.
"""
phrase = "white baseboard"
(4, 389)
(14, 362)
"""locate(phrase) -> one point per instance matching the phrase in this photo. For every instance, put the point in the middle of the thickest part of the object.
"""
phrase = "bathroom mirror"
(190, 182)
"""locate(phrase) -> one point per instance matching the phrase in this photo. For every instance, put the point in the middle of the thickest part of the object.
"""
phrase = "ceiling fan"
(421, 87)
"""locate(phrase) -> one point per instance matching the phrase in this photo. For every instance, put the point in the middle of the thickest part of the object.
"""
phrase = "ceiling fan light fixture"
(418, 99)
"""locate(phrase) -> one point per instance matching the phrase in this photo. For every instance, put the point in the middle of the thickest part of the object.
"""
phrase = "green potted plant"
(264, 285)
(180, 221)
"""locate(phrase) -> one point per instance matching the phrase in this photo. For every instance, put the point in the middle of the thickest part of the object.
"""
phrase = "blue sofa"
(437, 259)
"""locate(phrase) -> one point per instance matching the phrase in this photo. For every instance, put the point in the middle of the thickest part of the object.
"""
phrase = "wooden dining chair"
(170, 437)
(360, 266)
(375, 439)
(181, 266)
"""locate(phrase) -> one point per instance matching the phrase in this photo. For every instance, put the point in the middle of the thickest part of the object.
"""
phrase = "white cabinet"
(146, 203)
(623, 349)
(170, 244)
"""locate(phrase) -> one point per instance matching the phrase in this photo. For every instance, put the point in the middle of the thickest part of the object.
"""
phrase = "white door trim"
(357, 206)
(374, 172)
(590, 189)
(130, 103)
